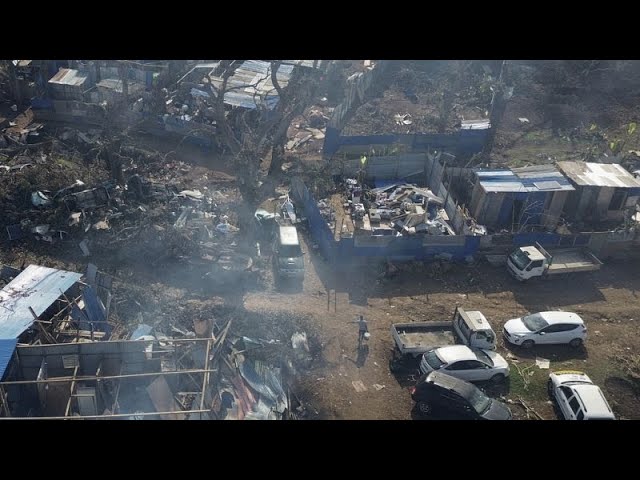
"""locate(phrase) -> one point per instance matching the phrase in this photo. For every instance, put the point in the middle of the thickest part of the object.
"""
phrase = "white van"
(473, 329)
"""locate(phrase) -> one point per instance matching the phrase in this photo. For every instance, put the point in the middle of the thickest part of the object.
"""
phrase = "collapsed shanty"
(46, 305)
(151, 376)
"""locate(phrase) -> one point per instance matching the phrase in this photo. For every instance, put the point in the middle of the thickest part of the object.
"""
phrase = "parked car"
(471, 364)
(577, 397)
(287, 254)
(546, 328)
(440, 393)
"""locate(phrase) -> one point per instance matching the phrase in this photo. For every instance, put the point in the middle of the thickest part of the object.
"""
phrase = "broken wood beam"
(44, 333)
(205, 379)
(73, 386)
(111, 415)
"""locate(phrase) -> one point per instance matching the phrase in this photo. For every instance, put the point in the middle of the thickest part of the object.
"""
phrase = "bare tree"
(248, 135)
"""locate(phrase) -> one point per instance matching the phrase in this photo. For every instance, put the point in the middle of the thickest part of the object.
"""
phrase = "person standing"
(362, 329)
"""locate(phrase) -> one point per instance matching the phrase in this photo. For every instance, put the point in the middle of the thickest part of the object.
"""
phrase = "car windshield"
(433, 360)
(520, 259)
(483, 357)
(479, 401)
(534, 322)
(290, 251)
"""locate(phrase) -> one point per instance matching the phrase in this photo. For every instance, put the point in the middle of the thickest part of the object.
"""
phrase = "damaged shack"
(150, 377)
(602, 191)
(529, 196)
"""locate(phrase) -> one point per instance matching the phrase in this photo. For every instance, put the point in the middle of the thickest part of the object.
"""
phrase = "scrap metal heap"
(400, 209)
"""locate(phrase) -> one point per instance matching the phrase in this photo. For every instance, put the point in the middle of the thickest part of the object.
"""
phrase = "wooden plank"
(73, 386)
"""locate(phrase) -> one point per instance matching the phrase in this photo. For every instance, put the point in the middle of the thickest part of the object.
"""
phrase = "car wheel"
(498, 378)
(527, 344)
(575, 343)
(424, 408)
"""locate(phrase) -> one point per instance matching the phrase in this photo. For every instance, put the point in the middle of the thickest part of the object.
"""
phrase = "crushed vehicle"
(577, 397)
(439, 393)
(534, 261)
(471, 364)
(87, 199)
(546, 328)
(412, 340)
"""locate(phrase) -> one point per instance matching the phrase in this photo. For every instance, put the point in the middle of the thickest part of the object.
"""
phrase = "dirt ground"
(607, 301)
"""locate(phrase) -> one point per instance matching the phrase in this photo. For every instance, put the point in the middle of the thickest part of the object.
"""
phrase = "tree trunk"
(498, 107)
(277, 157)
(15, 84)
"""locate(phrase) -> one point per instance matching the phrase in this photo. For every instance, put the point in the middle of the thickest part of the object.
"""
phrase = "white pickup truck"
(414, 339)
(529, 262)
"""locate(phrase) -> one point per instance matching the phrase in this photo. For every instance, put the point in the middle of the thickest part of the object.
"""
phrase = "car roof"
(475, 319)
(553, 318)
(288, 235)
(450, 383)
(455, 353)
(593, 400)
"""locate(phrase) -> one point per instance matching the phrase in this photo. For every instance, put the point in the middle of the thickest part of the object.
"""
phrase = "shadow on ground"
(364, 281)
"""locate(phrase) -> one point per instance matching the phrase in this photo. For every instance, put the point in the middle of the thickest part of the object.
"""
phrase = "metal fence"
(320, 231)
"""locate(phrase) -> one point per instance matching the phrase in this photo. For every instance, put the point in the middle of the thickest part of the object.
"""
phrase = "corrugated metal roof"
(36, 287)
(539, 178)
(304, 63)
(67, 76)
(599, 174)
(251, 85)
(7, 347)
(115, 84)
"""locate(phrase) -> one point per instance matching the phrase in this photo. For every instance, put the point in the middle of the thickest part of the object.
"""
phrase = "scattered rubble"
(398, 209)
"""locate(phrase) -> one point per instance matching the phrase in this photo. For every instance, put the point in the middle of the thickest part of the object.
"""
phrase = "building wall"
(491, 209)
(477, 196)
(552, 214)
(602, 203)
(586, 203)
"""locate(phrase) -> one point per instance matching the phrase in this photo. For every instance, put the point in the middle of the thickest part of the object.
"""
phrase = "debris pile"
(155, 220)
(399, 209)
(310, 127)
(327, 212)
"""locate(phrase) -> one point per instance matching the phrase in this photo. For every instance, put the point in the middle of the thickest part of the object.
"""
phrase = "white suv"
(546, 328)
(577, 397)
